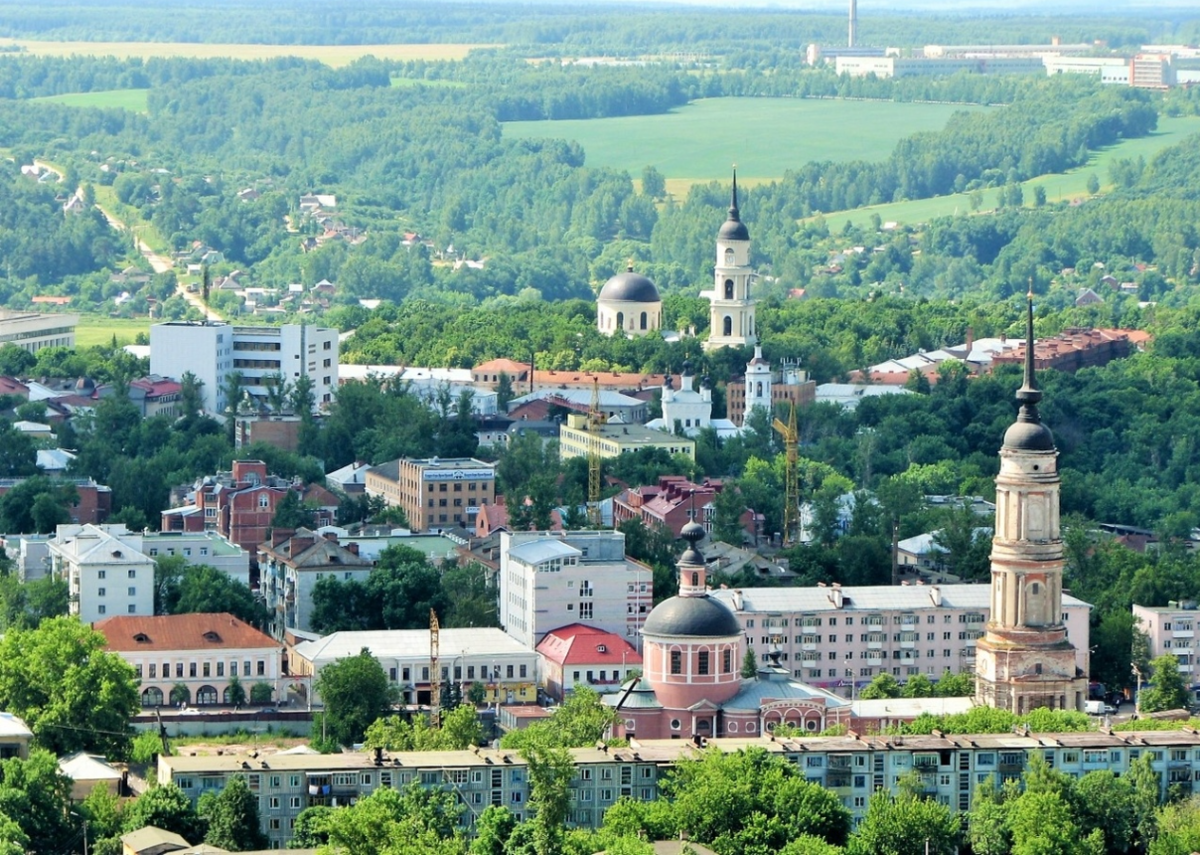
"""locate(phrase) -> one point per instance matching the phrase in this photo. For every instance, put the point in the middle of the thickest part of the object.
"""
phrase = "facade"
(203, 652)
(628, 304)
(581, 655)
(687, 411)
(507, 669)
(552, 579)
(32, 331)
(673, 502)
(15, 737)
(488, 373)
(731, 312)
(291, 564)
(280, 431)
(212, 350)
(927, 66)
(156, 396)
(852, 766)
(205, 547)
(95, 500)
(1172, 629)
(106, 571)
(832, 636)
(613, 404)
(1025, 660)
(1073, 349)
(613, 440)
(435, 493)
(1152, 71)
(770, 390)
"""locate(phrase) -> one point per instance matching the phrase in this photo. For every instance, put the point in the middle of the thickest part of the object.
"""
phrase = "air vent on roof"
(601, 648)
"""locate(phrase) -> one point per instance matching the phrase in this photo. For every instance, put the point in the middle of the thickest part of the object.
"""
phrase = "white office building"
(211, 350)
(551, 579)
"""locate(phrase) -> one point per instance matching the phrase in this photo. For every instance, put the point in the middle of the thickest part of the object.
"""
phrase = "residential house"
(15, 737)
(1171, 630)
(106, 571)
(292, 563)
(674, 502)
(204, 653)
(581, 655)
(93, 503)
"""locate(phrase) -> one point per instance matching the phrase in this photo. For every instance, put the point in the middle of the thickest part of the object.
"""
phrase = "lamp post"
(850, 674)
(1137, 696)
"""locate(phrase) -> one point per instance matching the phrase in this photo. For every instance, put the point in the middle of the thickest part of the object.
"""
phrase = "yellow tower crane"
(435, 674)
(791, 507)
(596, 419)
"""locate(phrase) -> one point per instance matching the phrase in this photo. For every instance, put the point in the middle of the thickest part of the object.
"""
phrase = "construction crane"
(791, 507)
(595, 419)
(435, 674)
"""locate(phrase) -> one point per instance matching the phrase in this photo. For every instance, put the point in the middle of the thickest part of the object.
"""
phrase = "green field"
(133, 100)
(1059, 186)
(98, 329)
(764, 136)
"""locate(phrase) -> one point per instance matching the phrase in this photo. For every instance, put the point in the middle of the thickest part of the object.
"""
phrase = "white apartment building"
(200, 547)
(211, 350)
(1172, 629)
(833, 636)
(106, 571)
(551, 579)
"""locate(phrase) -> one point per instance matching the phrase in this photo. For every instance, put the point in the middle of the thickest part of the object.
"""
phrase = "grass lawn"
(763, 136)
(99, 329)
(133, 100)
(1059, 186)
(334, 55)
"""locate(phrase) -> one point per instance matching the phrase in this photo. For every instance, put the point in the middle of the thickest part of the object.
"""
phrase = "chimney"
(353, 547)
(970, 338)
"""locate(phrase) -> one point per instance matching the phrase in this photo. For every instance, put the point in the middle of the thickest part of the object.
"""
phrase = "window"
(132, 574)
(132, 591)
(676, 662)
(262, 668)
(726, 661)
(101, 592)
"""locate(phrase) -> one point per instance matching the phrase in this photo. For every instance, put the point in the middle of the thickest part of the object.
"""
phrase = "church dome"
(733, 229)
(630, 287)
(1028, 436)
(693, 617)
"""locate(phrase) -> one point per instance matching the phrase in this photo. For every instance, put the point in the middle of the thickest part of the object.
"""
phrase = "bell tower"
(731, 311)
(1024, 660)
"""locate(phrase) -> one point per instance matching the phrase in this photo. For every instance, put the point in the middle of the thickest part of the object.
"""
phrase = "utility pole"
(435, 674)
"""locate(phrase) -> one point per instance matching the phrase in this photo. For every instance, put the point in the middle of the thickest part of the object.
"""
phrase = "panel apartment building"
(834, 636)
(212, 350)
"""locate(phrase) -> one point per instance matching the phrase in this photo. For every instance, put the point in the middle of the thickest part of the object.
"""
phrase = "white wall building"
(687, 410)
(731, 311)
(551, 579)
(1172, 629)
(200, 547)
(211, 350)
(106, 571)
(32, 331)
(830, 636)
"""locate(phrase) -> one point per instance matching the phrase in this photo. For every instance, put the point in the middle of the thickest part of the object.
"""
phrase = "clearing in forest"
(133, 100)
(764, 136)
(95, 330)
(333, 55)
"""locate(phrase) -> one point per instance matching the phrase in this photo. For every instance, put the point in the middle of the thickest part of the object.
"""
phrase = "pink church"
(692, 686)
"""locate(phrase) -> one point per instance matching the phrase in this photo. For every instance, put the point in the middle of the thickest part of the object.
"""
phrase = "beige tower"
(1024, 660)
(732, 310)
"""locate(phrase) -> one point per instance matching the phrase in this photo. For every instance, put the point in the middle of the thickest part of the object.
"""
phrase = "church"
(693, 643)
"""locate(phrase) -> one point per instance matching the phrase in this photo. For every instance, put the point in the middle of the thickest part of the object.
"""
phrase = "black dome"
(696, 617)
(630, 287)
(733, 230)
(1029, 436)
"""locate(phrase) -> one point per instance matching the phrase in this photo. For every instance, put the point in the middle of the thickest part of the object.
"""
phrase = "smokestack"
(853, 23)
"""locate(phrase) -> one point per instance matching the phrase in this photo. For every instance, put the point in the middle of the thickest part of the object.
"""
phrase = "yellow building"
(613, 440)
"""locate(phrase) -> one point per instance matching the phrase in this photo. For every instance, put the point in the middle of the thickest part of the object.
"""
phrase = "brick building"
(672, 502)
(94, 503)
(435, 493)
(1075, 348)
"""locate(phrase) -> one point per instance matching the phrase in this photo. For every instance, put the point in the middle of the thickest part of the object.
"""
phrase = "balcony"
(1184, 631)
(874, 659)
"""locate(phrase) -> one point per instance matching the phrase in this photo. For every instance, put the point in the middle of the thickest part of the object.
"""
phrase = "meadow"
(764, 136)
(99, 329)
(1059, 186)
(133, 100)
(332, 55)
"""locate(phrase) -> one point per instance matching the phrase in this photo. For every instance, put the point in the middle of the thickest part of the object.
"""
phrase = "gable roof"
(580, 644)
(204, 631)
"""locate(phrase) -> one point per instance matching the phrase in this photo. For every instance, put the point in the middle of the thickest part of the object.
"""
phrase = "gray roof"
(693, 617)
(410, 643)
(755, 693)
(866, 598)
(537, 551)
(630, 287)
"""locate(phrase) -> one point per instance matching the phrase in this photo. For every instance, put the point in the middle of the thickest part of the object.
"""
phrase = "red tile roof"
(213, 631)
(579, 644)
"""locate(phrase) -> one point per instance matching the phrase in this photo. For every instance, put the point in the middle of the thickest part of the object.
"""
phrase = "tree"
(905, 825)
(1039, 196)
(654, 184)
(261, 693)
(1167, 690)
(492, 831)
(460, 729)
(355, 692)
(728, 508)
(237, 692)
(550, 769)
(749, 664)
(917, 686)
(883, 686)
(949, 685)
(71, 692)
(583, 719)
(232, 816)
(504, 391)
(311, 828)
(18, 457)
(292, 513)
(987, 823)
(1041, 822)
(36, 795)
(166, 807)
(412, 822)
(1093, 184)
(181, 695)
(203, 589)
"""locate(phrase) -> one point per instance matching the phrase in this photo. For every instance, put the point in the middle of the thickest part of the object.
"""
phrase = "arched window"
(695, 579)
(620, 320)
(728, 289)
(758, 390)
(643, 320)
(728, 325)
(206, 696)
(729, 259)
(152, 697)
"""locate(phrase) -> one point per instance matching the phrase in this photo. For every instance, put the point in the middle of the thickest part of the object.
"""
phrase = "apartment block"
(835, 636)
(212, 350)
(106, 571)
(1172, 629)
(435, 493)
(290, 565)
(551, 579)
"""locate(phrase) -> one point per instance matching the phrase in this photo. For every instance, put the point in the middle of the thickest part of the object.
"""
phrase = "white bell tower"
(758, 383)
(731, 313)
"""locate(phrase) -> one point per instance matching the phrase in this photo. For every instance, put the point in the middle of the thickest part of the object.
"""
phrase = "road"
(158, 263)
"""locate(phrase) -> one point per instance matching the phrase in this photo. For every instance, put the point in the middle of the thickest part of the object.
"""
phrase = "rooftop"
(865, 598)
(579, 644)
(212, 631)
(412, 643)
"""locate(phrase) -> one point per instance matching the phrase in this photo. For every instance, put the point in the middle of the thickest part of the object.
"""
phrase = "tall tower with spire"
(1024, 660)
(731, 312)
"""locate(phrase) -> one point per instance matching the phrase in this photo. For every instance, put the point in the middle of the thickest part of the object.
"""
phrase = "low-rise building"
(32, 331)
(506, 668)
(94, 504)
(290, 565)
(435, 493)
(15, 737)
(203, 653)
(581, 655)
(204, 547)
(1075, 348)
(575, 439)
(551, 579)
(835, 636)
(106, 571)
(579, 400)
(674, 502)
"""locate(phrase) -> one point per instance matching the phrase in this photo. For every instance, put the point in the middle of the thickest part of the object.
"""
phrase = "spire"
(734, 214)
(1029, 394)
